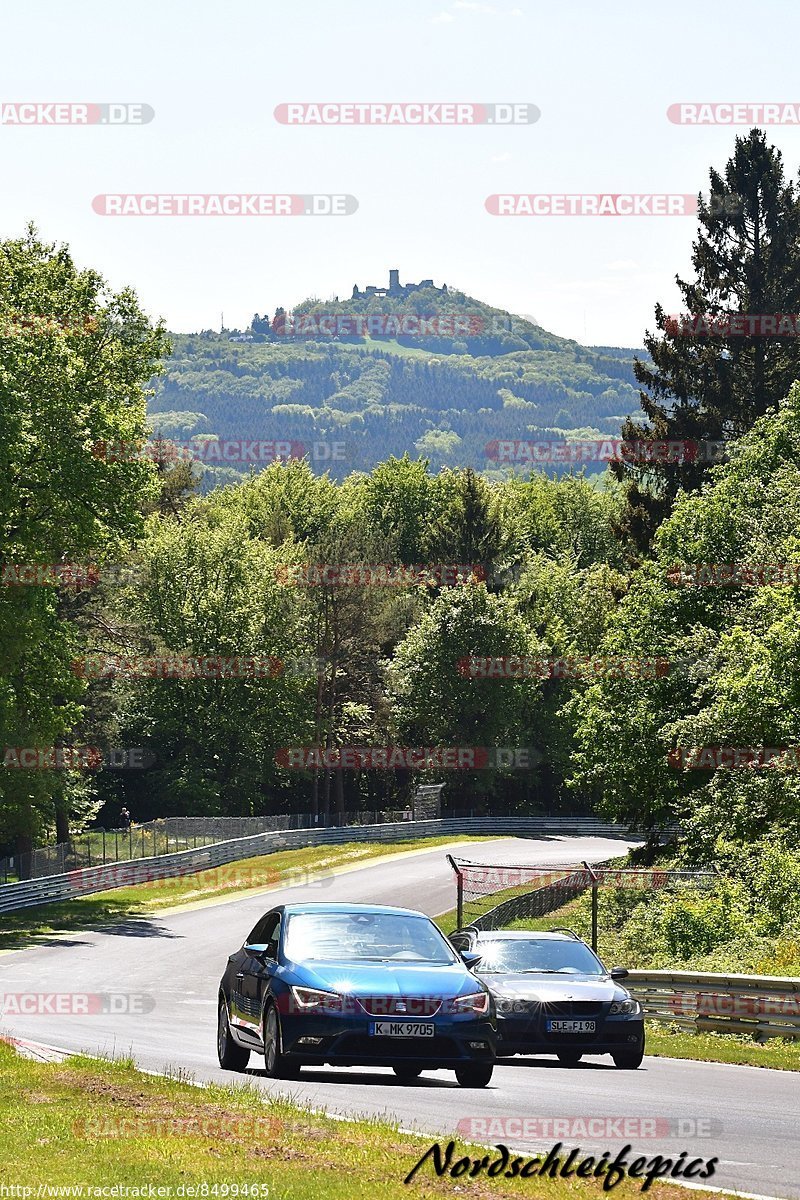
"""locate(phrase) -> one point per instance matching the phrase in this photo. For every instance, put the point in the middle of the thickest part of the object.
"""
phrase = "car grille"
(574, 1008)
(400, 1006)
(508, 1006)
(363, 1046)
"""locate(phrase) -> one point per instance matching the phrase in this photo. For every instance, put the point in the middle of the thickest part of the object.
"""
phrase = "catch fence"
(490, 896)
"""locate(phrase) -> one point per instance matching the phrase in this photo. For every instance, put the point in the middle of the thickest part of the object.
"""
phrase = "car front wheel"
(628, 1059)
(276, 1064)
(406, 1073)
(474, 1075)
(231, 1056)
(569, 1058)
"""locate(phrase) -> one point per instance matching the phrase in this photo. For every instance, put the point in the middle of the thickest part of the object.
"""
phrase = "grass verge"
(311, 866)
(94, 1123)
(664, 1041)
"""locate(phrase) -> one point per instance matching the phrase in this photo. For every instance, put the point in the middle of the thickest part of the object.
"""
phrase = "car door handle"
(240, 975)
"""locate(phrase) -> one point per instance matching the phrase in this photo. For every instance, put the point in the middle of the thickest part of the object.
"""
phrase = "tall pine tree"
(710, 388)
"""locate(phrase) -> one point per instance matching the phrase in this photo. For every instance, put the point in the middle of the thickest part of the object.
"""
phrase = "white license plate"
(401, 1029)
(571, 1026)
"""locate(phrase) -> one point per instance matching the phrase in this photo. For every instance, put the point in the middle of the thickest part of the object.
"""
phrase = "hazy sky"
(603, 76)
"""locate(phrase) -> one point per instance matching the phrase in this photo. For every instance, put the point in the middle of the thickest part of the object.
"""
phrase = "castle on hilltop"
(396, 288)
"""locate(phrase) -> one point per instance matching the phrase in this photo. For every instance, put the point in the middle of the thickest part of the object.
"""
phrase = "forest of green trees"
(634, 660)
(446, 400)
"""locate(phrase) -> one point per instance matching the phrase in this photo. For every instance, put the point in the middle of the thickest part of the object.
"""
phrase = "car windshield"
(539, 955)
(366, 936)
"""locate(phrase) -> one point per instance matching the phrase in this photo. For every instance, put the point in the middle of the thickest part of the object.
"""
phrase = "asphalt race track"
(747, 1116)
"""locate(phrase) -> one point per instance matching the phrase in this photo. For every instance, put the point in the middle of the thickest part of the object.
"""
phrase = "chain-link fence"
(490, 896)
(165, 836)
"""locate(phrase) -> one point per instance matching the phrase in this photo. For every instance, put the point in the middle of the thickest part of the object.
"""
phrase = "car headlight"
(313, 999)
(631, 1007)
(475, 1002)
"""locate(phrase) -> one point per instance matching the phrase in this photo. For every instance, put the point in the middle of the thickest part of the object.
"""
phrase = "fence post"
(459, 891)
(594, 906)
(104, 847)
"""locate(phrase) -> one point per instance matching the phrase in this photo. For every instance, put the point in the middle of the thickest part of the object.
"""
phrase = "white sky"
(603, 76)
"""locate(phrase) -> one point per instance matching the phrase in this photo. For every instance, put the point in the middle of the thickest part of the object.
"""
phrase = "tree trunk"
(62, 820)
(23, 850)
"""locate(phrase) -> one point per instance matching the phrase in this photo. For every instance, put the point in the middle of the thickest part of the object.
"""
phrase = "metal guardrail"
(763, 1006)
(165, 835)
(88, 880)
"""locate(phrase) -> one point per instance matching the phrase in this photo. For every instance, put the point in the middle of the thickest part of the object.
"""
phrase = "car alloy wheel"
(231, 1057)
(276, 1065)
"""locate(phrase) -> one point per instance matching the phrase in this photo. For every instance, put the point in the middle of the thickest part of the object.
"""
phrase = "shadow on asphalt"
(553, 1063)
(132, 927)
(138, 927)
(344, 1077)
(359, 1078)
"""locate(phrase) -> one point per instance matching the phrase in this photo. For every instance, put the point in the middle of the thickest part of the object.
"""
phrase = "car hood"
(552, 988)
(387, 979)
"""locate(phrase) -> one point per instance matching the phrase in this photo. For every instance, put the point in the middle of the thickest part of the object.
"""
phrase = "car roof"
(518, 935)
(291, 909)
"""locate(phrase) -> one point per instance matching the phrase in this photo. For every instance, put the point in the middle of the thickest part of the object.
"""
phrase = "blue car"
(354, 985)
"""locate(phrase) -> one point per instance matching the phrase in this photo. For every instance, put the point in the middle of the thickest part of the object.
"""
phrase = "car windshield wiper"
(392, 958)
(542, 971)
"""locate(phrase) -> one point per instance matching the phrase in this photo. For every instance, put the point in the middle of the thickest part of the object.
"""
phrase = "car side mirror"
(619, 972)
(258, 950)
(471, 959)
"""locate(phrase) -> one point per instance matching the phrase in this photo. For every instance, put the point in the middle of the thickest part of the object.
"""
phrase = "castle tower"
(394, 282)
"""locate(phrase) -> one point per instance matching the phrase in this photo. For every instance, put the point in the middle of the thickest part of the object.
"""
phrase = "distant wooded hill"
(454, 377)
